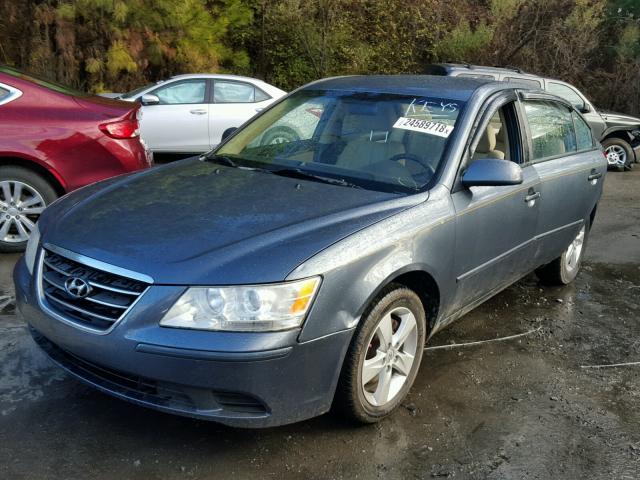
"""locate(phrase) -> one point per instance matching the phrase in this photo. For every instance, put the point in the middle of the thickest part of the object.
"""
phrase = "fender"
(628, 130)
(25, 157)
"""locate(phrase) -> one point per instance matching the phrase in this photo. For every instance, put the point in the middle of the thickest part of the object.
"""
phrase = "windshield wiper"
(297, 173)
(221, 159)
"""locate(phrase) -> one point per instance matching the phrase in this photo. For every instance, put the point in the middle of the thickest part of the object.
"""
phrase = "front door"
(495, 226)
(180, 122)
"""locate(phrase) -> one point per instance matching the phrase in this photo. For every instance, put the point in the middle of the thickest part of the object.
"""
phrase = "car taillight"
(125, 128)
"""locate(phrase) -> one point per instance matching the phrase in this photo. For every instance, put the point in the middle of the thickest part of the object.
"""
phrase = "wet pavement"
(524, 408)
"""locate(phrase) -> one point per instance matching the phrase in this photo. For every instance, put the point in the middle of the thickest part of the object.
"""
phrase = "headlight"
(252, 308)
(32, 249)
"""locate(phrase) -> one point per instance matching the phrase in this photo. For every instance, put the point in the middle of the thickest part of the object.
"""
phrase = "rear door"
(233, 103)
(180, 122)
(495, 226)
(570, 167)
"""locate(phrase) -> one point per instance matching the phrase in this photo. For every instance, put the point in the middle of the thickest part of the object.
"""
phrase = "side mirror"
(490, 172)
(586, 108)
(149, 99)
(227, 133)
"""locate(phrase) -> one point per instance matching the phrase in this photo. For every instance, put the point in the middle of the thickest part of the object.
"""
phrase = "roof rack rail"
(464, 64)
(508, 67)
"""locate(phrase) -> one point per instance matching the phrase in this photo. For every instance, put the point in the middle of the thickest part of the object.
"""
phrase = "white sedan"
(189, 113)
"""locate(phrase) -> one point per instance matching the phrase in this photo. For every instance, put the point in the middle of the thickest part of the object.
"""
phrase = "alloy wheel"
(616, 155)
(574, 251)
(20, 208)
(390, 356)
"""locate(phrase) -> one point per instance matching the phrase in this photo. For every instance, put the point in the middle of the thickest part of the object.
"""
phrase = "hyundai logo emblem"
(77, 287)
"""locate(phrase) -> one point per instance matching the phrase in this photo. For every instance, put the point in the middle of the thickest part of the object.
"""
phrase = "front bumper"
(238, 379)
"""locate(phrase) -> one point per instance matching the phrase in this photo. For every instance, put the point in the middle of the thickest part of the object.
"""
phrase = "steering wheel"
(415, 159)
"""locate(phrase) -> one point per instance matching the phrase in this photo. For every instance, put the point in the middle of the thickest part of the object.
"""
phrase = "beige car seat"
(370, 141)
(487, 145)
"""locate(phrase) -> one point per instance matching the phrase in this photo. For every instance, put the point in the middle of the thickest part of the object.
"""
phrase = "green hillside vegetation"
(117, 45)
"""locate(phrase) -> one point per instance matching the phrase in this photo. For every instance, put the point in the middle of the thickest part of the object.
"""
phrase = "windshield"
(377, 141)
(56, 87)
(138, 90)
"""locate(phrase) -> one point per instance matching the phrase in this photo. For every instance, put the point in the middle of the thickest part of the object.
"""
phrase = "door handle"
(531, 197)
(259, 109)
(594, 176)
(198, 111)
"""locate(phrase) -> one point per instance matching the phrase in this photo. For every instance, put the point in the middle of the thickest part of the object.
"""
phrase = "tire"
(279, 135)
(394, 307)
(619, 153)
(23, 196)
(564, 269)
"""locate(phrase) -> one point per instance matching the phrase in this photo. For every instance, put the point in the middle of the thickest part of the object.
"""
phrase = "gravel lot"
(506, 410)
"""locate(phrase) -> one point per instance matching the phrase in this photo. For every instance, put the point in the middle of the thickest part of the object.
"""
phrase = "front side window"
(584, 138)
(569, 94)
(493, 141)
(233, 92)
(191, 91)
(377, 141)
(551, 128)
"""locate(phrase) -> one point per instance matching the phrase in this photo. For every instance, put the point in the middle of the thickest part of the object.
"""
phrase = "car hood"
(198, 223)
(620, 119)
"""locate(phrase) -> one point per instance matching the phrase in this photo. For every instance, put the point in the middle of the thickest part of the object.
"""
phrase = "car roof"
(220, 76)
(455, 88)
(480, 69)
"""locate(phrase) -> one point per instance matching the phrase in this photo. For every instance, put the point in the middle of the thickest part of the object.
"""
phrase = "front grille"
(109, 299)
(198, 402)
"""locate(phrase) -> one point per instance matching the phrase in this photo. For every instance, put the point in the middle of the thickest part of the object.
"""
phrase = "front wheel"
(23, 197)
(384, 356)
(564, 269)
(619, 153)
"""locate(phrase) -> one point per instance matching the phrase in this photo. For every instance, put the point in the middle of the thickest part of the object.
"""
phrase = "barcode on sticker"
(424, 126)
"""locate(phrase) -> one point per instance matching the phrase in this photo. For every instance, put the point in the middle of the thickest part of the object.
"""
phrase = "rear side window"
(569, 94)
(233, 92)
(584, 138)
(524, 81)
(551, 128)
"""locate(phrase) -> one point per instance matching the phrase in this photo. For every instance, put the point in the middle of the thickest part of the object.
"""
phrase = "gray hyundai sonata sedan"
(269, 280)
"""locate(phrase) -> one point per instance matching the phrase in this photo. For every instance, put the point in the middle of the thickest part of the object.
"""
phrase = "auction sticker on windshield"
(424, 126)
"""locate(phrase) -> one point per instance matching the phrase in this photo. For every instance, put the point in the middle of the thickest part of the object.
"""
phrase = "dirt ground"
(523, 408)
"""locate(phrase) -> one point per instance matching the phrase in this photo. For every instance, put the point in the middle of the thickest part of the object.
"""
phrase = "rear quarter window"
(4, 93)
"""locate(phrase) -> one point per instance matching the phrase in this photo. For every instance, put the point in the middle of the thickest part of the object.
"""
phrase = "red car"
(54, 140)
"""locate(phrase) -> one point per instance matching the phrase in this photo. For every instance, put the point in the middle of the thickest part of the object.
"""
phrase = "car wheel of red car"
(23, 197)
